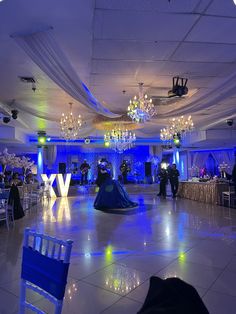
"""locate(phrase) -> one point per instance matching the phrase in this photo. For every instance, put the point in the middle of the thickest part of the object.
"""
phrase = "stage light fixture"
(179, 87)
(14, 114)
(6, 119)
(176, 140)
(87, 141)
(42, 137)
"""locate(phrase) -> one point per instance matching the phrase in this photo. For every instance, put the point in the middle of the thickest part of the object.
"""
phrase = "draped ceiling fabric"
(43, 49)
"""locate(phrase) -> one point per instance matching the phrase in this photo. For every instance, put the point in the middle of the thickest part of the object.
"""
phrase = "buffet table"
(207, 192)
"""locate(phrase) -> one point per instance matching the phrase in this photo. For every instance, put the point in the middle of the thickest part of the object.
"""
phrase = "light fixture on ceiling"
(119, 140)
(181, 124)
(177, 128)
(234, 2)
(14, 114)
(141, 108)
(70, 125)
(42, 137)
(179, 87)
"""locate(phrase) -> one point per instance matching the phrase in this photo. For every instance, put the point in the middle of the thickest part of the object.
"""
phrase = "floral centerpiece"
(25, 164)
(12, 161)
(6, 159)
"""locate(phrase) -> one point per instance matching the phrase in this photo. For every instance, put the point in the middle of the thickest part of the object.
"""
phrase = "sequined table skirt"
(206, 192)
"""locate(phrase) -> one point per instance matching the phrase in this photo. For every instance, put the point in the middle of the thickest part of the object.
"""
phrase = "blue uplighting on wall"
(40, 161)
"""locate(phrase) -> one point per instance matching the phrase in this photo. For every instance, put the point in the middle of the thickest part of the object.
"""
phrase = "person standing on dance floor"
(84, 168)
(174, 179)
(125, 169)
(163, 177)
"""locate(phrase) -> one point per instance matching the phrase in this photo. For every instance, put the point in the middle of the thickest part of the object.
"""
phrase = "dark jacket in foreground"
(172, 296)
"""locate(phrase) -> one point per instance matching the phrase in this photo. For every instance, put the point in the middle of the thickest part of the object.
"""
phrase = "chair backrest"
(45, 262)
(4, 193)
(21, 191)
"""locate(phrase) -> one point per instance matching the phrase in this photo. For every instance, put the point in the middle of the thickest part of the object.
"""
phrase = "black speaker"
(62, 167)
(148, 169)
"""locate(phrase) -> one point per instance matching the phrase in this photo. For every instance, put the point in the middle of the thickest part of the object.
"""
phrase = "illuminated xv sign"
(63, 186)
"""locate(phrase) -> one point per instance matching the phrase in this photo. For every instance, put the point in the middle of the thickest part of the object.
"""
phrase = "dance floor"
(114, 255)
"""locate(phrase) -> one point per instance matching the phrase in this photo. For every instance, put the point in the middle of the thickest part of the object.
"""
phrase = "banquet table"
(207, 192)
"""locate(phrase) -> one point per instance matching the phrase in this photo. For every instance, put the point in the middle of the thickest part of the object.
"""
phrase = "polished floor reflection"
(114, 255)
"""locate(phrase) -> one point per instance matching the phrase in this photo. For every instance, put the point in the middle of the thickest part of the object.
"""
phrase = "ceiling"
(115, 44)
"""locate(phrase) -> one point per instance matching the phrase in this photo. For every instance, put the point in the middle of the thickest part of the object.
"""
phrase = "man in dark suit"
(174, 179)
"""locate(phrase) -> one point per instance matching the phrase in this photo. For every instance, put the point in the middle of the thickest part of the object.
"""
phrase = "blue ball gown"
(111, 194)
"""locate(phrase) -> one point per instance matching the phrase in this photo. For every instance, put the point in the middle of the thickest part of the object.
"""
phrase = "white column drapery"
(43, 49)
(50, 155)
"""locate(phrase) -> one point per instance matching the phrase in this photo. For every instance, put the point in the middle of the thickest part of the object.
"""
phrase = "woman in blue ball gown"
(111, 194)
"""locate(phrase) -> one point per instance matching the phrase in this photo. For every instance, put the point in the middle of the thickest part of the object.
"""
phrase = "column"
(176, 157)
(40, 163)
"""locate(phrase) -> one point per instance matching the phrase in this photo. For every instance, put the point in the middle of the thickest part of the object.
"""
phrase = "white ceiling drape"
(43, 49)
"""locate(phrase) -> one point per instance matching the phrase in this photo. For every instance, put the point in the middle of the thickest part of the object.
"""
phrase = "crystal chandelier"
(177, 128)
(70, 125)
(166, 134)
(141, 108)
(181, 125)
(119, 140)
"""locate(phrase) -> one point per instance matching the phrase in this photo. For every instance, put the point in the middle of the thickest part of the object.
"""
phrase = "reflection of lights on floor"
(48, 214)
(62, 213)
(182, 257)
(122, 280)
(63, 210)
(109, 253)
(70, 291)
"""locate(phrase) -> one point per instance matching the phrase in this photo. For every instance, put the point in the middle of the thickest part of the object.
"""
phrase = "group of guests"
(13, 181)
(171, 174)
(8, 179)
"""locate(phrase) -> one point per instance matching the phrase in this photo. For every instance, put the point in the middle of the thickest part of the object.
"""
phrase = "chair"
(45, 265)
(229, 196)
(36, 194)
(6, 209)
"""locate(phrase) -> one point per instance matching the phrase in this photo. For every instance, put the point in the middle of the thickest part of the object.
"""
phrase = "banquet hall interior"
(128, 88)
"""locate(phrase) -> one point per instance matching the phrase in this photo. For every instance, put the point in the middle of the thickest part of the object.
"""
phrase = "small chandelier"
(176, 130)
(166, 134)
(141, 108)
(119, 140)
(70, 125)
(181, 125)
